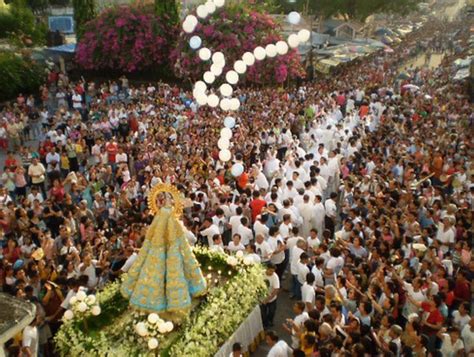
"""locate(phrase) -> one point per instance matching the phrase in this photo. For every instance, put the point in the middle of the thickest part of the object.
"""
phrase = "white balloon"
(293, 40)
(218, 58)
(232, 77)
(229, 122)
(188, 27)
(210, 7)
(219, 3)
(225, 104)
(237, 170)
(197, 92)
(96, 310)
(213, 100)
(234, 104)
(201, 86)
(271, 50)
(68, 315)
(209, 77)
(195, 42)
(204, 53)
(282, 47)
(226, 133)
(216, 69)
(201, 11)
(223, 143)
(240, 67)
(192, 20)
(202, 99)
(259, 53)
(304, 35)
(224, 155)
(248, 58)
(152, 343)
(226, 90)
(294, 18)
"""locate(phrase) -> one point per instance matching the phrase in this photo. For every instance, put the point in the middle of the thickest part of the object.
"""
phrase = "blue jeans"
(268, 313)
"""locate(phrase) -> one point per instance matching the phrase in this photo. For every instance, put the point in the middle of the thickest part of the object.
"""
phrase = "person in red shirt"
(257, 205)
(112, 150)
(242, 181)
(462, 289)
(10, 161)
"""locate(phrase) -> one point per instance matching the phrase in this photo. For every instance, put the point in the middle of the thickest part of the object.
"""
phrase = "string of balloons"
(223, 96)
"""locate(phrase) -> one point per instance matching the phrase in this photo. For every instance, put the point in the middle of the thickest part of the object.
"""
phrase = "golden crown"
(165, 188)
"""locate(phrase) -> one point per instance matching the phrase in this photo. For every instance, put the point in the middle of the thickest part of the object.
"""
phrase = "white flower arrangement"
(82, 305)
(150, 329)
(225, 310)
(136, 333)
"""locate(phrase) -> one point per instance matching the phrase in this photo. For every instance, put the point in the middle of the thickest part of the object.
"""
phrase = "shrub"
(234, 30)
(125, 38)
(18, 21)
(19, 75)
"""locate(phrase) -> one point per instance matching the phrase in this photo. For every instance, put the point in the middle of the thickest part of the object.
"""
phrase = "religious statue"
(166, 275)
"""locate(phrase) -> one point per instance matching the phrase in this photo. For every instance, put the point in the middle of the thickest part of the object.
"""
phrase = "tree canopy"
(349, 9)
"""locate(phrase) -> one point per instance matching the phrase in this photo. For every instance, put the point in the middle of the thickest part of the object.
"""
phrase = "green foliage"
(19, 23)
(38, 5)
(84, 11)
(18, 75)
(349, 9)
(167, 9)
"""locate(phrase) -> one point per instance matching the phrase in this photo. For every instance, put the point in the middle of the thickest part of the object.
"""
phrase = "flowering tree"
(125, 38)
(234, 30)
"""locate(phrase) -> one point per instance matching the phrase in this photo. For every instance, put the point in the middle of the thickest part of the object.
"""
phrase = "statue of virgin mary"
(166, 274)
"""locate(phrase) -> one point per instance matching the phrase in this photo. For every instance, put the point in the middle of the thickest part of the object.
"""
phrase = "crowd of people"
(357, 194)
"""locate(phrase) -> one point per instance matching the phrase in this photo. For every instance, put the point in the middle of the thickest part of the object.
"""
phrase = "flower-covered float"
(136, 316)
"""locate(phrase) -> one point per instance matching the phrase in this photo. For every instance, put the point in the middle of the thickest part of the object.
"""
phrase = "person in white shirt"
(318, 272)
(87, 267)
(278, 247)
(30, 339)
(245, 232)
(263, 249)
(235, 245)
(259, 227)
(308, 293)
(35, 195)
(251, 253)
(302, 270)
(331, 211)
(461, 316)
(209, 230)
(278, 348)
(269, 304)
(446, 234)
(234, 221)
(131, 257)
(312, 242)
(217, 245)
(319, 212)
(452, 345)
(296, 325)
(467, 335)
(295, 253)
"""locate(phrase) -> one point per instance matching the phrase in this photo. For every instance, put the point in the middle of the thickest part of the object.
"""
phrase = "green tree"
(349, 9)
(167, 9)
(84, 11)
